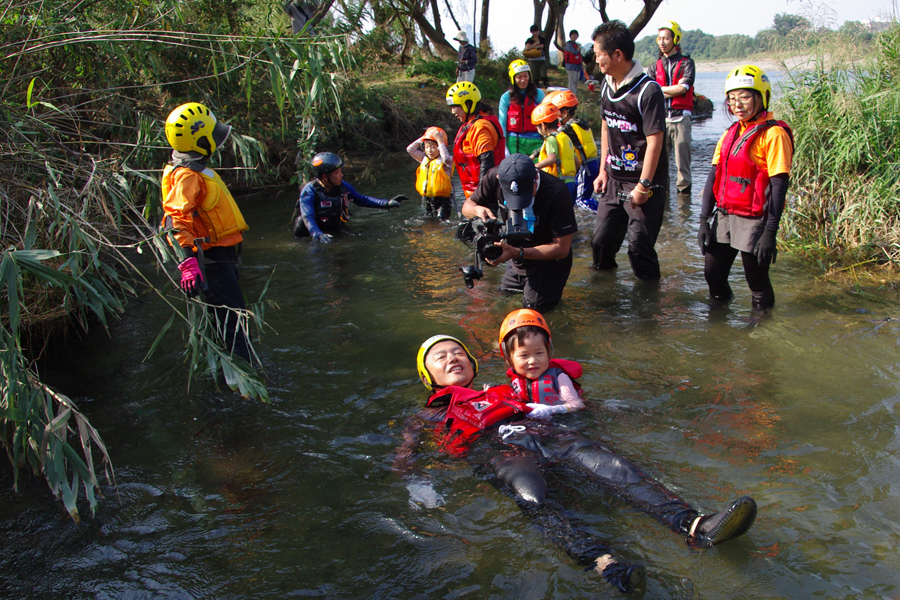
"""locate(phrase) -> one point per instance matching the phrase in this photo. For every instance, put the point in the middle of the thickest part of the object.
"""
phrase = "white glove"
(544, 411)
(422, 492)
(324, 238)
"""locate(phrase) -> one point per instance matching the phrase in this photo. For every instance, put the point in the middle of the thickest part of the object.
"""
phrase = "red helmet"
(521, 318)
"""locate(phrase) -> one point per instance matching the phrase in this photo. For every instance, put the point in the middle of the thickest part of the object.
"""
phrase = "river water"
(222, 498)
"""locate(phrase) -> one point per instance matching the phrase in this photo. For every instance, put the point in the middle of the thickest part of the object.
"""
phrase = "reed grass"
(844, 204)
(83, 99)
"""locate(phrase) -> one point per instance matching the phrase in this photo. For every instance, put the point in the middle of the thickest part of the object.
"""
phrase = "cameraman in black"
(541, 261)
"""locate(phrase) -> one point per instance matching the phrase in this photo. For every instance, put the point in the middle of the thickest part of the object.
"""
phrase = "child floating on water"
(547, 384)
(557, 156)
(434, 172)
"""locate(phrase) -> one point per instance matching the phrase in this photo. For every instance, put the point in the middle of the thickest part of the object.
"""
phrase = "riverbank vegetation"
(845, 113)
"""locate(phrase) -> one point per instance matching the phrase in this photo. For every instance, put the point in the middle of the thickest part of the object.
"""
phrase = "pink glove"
(191, 277)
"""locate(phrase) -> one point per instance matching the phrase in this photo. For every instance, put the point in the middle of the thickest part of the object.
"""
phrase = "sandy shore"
(766, 64)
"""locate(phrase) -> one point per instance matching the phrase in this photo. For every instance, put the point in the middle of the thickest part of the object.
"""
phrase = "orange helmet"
(521, 318)
(564, 99)
(544, 113)
(549, 96)
(435, 134)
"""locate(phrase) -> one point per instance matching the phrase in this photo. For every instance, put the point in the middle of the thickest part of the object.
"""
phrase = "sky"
(510, 19)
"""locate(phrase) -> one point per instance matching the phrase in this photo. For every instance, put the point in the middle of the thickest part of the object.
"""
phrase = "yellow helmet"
(424, 375)
(192, 127)
(750, 77)
(518, 66)
(465, 94)
(674, 28)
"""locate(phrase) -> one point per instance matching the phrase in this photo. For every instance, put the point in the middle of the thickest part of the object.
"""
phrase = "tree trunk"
(441, 46)
(561, 35)
(320, 14)
(643, 17)
(483, 36)
(600, 5)
(452, 16)
(538, 11)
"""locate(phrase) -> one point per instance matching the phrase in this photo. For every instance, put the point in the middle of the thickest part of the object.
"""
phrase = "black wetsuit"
(519, 459)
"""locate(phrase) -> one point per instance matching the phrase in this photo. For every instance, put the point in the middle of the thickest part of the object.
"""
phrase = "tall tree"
(639, 22)
(483, 35)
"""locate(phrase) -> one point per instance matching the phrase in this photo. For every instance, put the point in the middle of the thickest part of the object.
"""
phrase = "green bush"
(845, 180)
(442, 70)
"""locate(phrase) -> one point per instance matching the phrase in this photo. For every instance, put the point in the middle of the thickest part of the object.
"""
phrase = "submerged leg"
(523, 476)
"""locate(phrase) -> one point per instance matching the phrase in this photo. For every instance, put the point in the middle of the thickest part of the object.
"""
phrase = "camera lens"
(493, 252)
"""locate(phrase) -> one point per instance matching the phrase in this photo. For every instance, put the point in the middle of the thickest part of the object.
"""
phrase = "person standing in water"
(516, 105)
(205, 220)
(745, 191)
(674, 72)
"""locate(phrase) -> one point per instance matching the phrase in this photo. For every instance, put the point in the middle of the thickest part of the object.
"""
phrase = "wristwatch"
(521, 253)
(646, 183)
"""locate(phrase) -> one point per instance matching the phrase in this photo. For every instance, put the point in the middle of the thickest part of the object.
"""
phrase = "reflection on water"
(219, 498)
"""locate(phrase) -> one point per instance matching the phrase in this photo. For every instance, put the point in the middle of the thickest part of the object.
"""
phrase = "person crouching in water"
(324, 202)
(746, 189)
(579, 131)
(557, 155)
(433, 177)
(206, 221)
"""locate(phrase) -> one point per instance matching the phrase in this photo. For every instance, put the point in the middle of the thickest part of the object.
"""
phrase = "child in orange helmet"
(557, 156)
(433, 177)
(546, 383)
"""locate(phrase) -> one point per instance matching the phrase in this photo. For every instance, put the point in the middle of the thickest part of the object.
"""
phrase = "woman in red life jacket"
(746, 189)
(493, 428)
(515, 108)
(479, 143)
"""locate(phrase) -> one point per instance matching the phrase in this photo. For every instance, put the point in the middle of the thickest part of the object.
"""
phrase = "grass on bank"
(844, 205)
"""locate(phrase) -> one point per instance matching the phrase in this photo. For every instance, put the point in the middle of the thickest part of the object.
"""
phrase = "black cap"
(516, 174)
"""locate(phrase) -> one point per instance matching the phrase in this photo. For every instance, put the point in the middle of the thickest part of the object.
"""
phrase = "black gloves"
(703, 236)
(765, 249)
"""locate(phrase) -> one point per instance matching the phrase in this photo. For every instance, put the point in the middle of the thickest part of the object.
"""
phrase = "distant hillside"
(789, 33)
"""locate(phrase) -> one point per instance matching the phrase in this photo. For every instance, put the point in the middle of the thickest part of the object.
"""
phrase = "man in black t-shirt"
(540, 263)
(634, 189)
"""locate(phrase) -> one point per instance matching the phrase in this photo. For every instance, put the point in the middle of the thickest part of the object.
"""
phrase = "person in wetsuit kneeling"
(324, 203)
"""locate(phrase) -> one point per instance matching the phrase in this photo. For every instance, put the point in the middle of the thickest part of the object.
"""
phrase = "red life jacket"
(467, 165)
(742, 186)
(472, 411)
(545, 389)
(572, 59)
(685, 102)
(518, 117)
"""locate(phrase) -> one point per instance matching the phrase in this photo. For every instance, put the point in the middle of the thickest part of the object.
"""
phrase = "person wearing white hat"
(467, 58)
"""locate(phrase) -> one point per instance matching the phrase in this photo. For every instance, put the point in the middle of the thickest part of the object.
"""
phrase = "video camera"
(482, 236)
